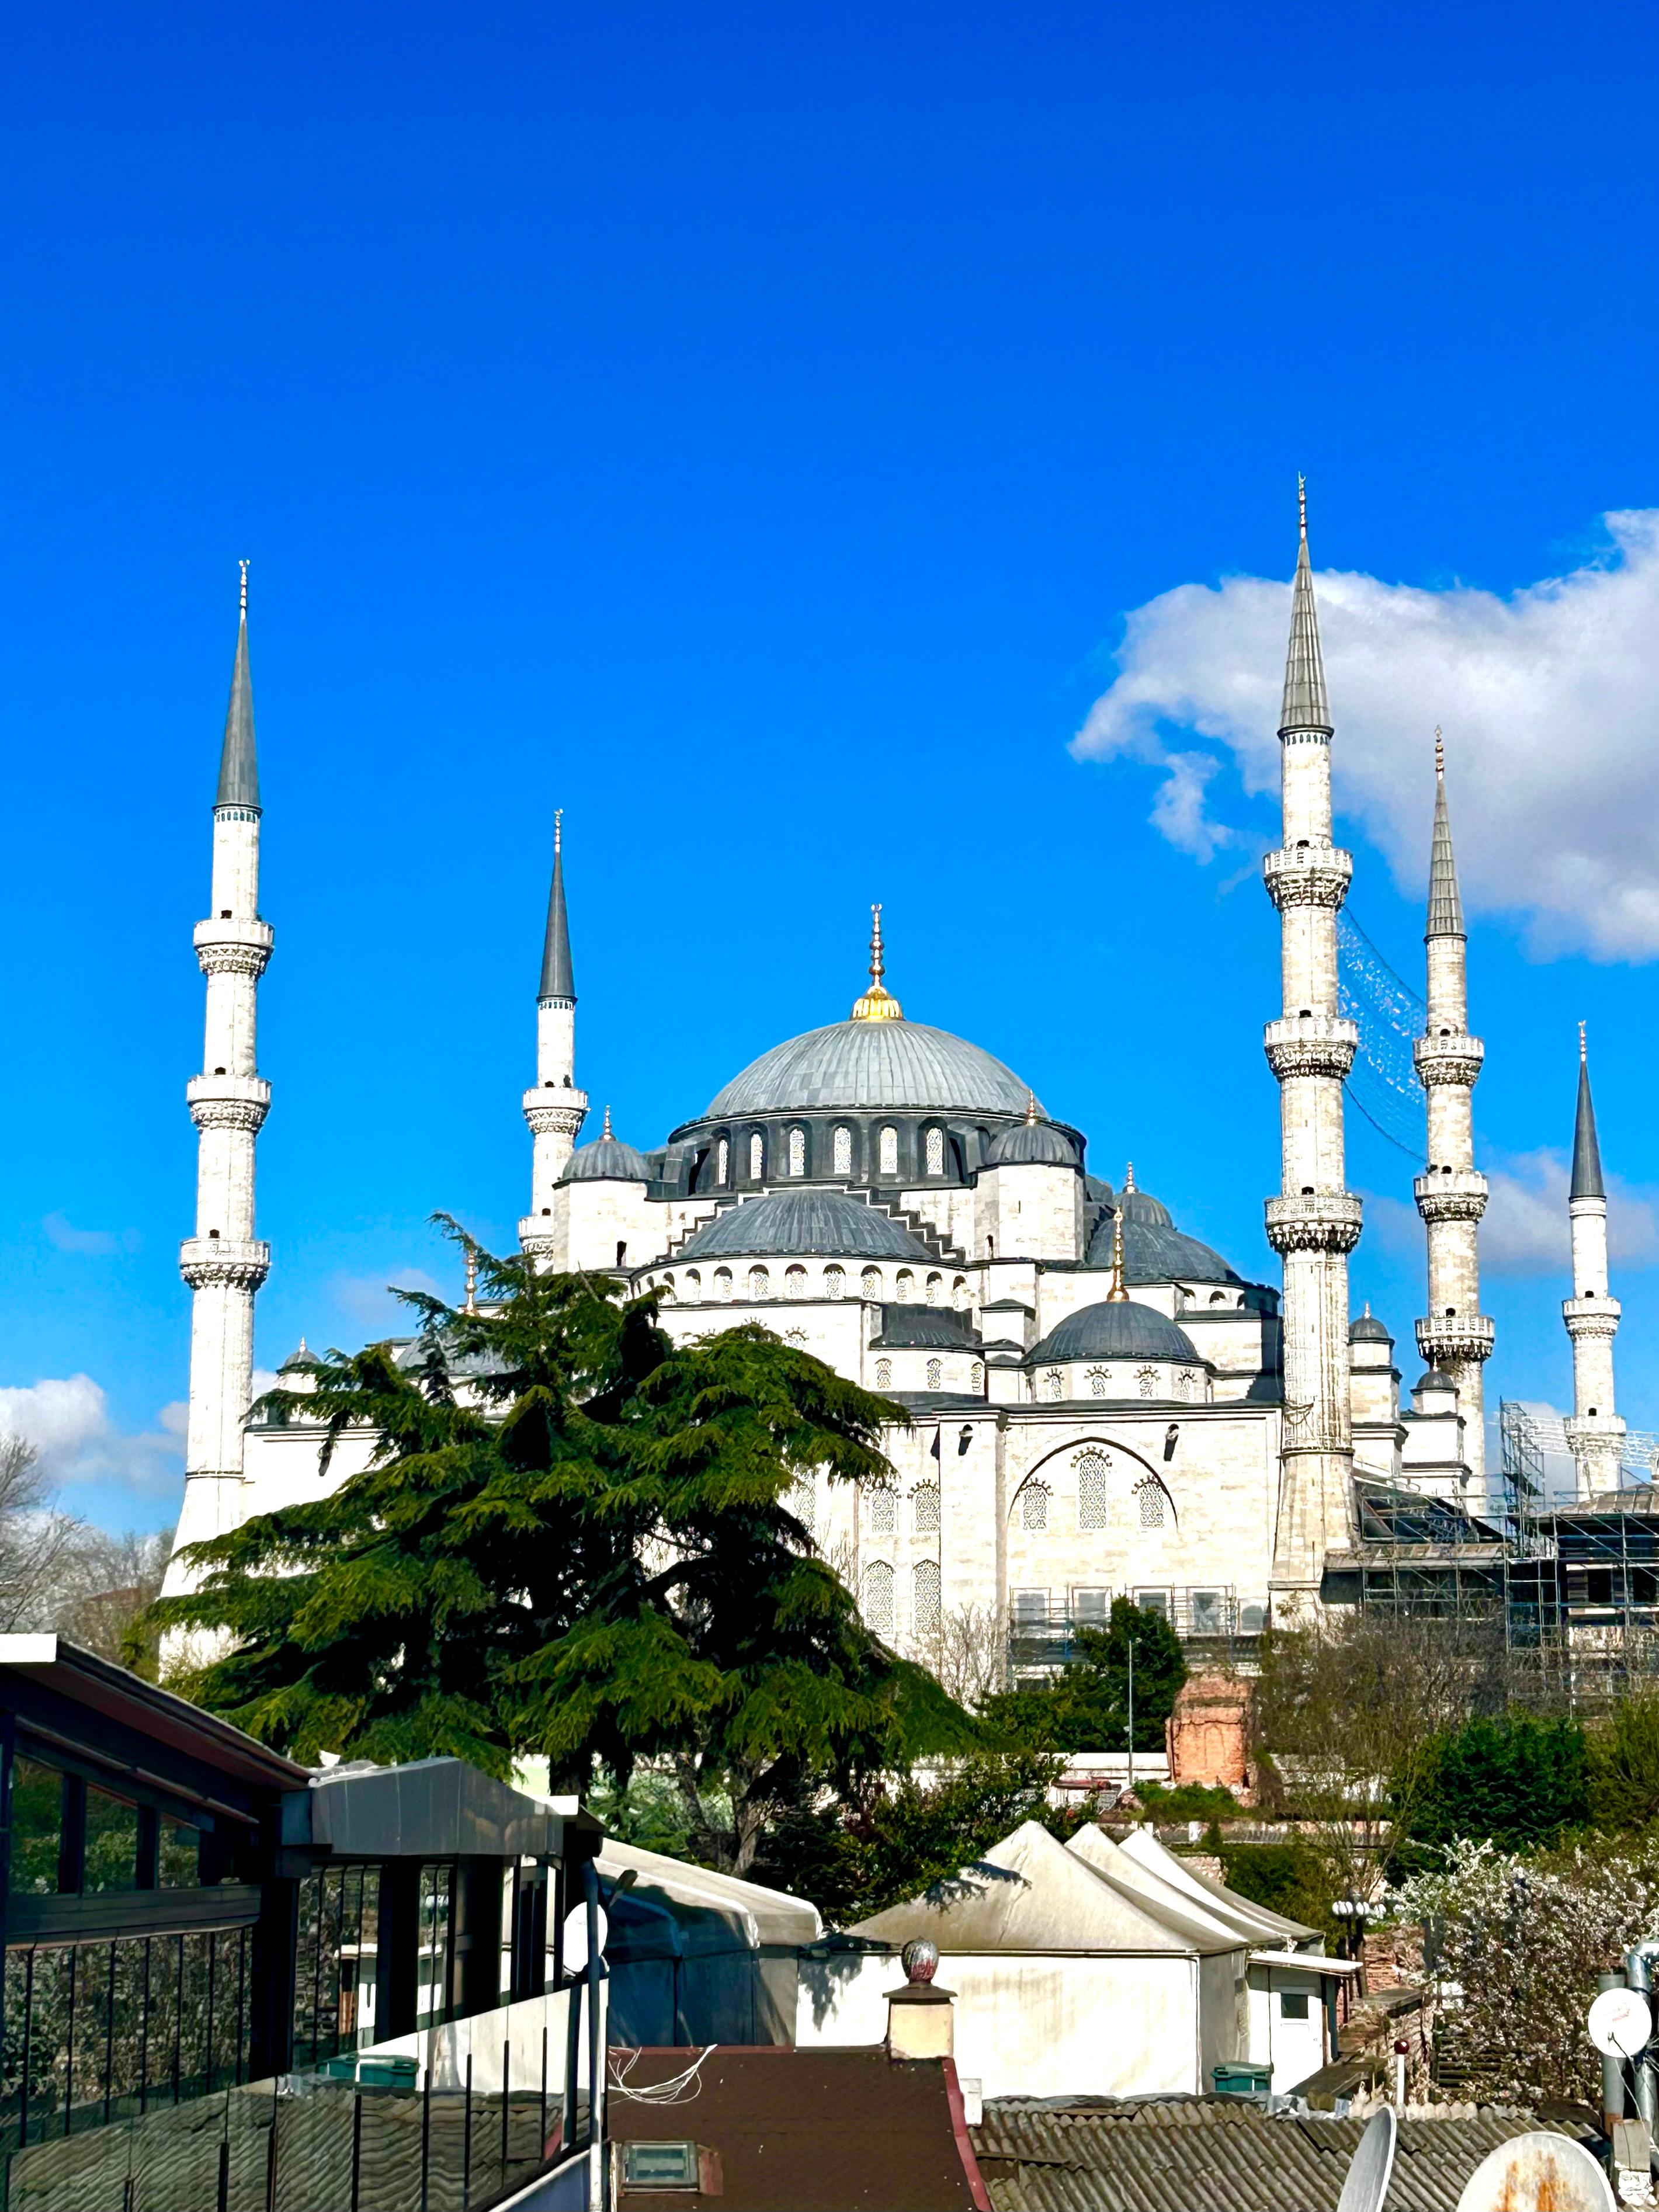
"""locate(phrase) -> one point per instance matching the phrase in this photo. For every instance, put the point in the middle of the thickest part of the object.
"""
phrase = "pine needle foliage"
(572, 1541)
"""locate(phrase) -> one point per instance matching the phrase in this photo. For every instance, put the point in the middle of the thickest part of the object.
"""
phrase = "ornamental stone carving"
(1308, 875)
(1316, 1221)
(1449, 1059)
(1591, 1318)
(544, 1119)
(227, 1113)
(1459, 1195)
(233, 959)
(1311, 1044)
(204, 1260)
(1449, 1340)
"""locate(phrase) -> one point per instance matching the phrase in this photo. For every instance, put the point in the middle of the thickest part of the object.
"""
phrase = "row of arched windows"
(796, 1153)
(1093, 1470)
(757, 1284)
(924, 1597)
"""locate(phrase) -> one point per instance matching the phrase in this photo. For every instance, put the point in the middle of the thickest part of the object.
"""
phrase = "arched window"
(904, 1287)
(723, 1161)
(935, 1284)
(1053, 1383)
(722, 1282)
(797, 1151)
(1146, 1382)
(976, 1375)
(870, 1283)
(693, 1284)
(887, 1152)
(1094, 1501)
(924, 1597)
(841, 1152)
(934, 1151)
(1184, 1384)
(668, 1286)
(1149, 1496)
(835, 1282)
(884, 1375)
(884, 1509)
(1034, 1506)
(760, 1283)
(935, 1375)
(925, 1499)
(1217, 1297)
(1099, 1381)
(878, 1598)
(756, 1157)
(801, 1499)
(797, 1337)
(959, 1293)
(794, 1283)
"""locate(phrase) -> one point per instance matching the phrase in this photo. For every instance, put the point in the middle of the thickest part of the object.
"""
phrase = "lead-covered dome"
(868, 1063)
(804, 1221)
(1117, 1330)
(1154, 1250)
(1032, 1144)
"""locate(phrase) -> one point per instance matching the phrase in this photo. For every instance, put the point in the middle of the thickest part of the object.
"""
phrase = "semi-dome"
(1031, 1144)
(1116, 1329)
(867, 1063)
(607, 1159)
(805, 1221)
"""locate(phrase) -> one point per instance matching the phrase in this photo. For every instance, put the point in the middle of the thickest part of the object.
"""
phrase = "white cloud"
(69, 1421)
(1525, 1230)
(96, 1243)
(368, 1299)
(1549, 700)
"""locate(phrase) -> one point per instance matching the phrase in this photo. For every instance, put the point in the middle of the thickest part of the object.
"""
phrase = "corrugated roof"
(909, 1327)
(1213, 2155)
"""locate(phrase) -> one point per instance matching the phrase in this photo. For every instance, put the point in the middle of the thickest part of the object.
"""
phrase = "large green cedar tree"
(574, 1542)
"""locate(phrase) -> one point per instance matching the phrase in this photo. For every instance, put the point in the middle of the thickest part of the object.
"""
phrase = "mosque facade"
(1097, 1403)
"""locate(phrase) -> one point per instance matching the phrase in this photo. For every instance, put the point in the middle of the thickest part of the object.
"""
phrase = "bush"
(1086, 1706)
(1188, 1801)
(1293, 1878)
(1517, 1782)
(1621, 1761)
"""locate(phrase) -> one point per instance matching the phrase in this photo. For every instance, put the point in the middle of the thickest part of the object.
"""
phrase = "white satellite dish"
(1372, 2163)
(1539, 2172)
(1621, 2023)
(573, 1950)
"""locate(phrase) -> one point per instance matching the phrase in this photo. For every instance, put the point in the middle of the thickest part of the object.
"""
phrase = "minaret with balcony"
(1596, 1433)
(1454, 1336)
(555, 1108)
(224, 1263)
(1315, 1223)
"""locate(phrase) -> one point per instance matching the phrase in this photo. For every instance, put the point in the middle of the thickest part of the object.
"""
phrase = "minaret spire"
(1595, 1432)
(1454, 1335)
(1315, 1223)
(223, 1262)
(555, 1108)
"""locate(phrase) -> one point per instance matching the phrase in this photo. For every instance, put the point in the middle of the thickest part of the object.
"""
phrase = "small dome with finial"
(606, 1160)
(1032, 1143)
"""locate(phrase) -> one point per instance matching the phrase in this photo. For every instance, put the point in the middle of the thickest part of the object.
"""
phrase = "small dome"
(1142, 1208)
(1154, 1250)
(872, 1064)
(1368, 1330)
(1436, 1379)
(806, 1221)
(1031, 1144)
(300, 1362)
(607, 1159)
(1123, 1330)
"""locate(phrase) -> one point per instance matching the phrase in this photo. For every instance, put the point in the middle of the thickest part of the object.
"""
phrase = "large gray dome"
(790, 1221)
(1123, 1330)
(889, 1063)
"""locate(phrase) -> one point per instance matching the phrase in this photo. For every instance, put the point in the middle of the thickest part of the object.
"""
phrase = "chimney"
(920, 2017)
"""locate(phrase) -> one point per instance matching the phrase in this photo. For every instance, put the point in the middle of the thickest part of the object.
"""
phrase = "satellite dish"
(1621, 2023)
(574, 1948)
(1539, 2172)
(1367, 2182)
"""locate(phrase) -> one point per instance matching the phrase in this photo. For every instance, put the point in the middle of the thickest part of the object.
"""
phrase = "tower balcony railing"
(1315, 1220)
(1448, 1059)
(1311, 1044)
(1308, 875)
(1450, 1195)
(227, 1091)
(244, 1262)
(1450, 1338)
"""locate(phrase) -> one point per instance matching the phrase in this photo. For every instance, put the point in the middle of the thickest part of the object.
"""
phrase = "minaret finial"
(878, 1003)
(1439, 751)
(242, 565)
(1584, 1048)
(1129, 1175)
(471, 1302)
(1301, 508)
(1117, 1295)
(606, 1130)
(558, 831)
(1030, 1109)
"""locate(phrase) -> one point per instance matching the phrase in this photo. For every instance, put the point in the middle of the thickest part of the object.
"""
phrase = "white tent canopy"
(1263, 1926)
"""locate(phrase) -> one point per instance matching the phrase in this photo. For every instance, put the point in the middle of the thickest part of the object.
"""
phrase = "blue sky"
(753, 429)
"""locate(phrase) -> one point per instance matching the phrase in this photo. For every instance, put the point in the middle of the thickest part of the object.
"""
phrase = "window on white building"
(935, 1285)
(884, 1509)
(870, 1284)
(1031, 1608)
(1184, 1384)
(756, 1157)
(933, 1152)
(924, 1597)
(887, 1152)
(879, 1597)
(1146, 1382)
(841, 1152)
(935, 1375)
(722, 1162)
(884, 1375)
(1100, 1382)
(794, 1283)
(1091, 1608)
(1155, 1601)
(1209, 1612)
(693, 1284)
(760, 1283)
(904, 1287)
(722, 1282)
(959, 1293)
(801, 1499)
(1150, 1496)
(795, 1336)
(797, 1151)
(976, 1375)
(925, 1499)
(1094, 1497)
(1034, 1506)
(1053, 1383)
(835, 1282)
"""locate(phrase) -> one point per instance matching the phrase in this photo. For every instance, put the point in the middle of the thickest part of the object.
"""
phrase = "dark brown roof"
(819, 2130)
(1213, 2155)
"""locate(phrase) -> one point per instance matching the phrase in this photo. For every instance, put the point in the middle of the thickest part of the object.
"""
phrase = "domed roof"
(873, 1064)
(1032, 1144)
(791, 1221)
(1154, 1250)
(607, 1159)
(1120, 1330)
(1368, 1330)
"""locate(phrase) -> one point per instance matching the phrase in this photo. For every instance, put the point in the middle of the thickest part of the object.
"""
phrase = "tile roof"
(1213, 2155)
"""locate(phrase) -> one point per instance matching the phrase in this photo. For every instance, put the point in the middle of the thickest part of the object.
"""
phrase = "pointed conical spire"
(238, 766)
(1305, 705)
(1586, 1153)
(558, 977)
(1445, 907)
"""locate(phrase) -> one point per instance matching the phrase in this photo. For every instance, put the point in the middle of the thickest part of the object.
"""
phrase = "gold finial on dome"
(471, 1303)
(1117, 1295)
(877, 1005)
(1129, 1176)
(1030, 1109)
(607, 1125)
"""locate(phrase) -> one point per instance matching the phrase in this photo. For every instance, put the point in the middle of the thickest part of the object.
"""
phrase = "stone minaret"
(222, 1262)
(1315, 1224)
(1454, 1335)
(1595, 1432)
(555, 1108)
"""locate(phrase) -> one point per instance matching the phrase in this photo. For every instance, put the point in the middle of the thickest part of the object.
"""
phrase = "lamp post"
(1132, 1713)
